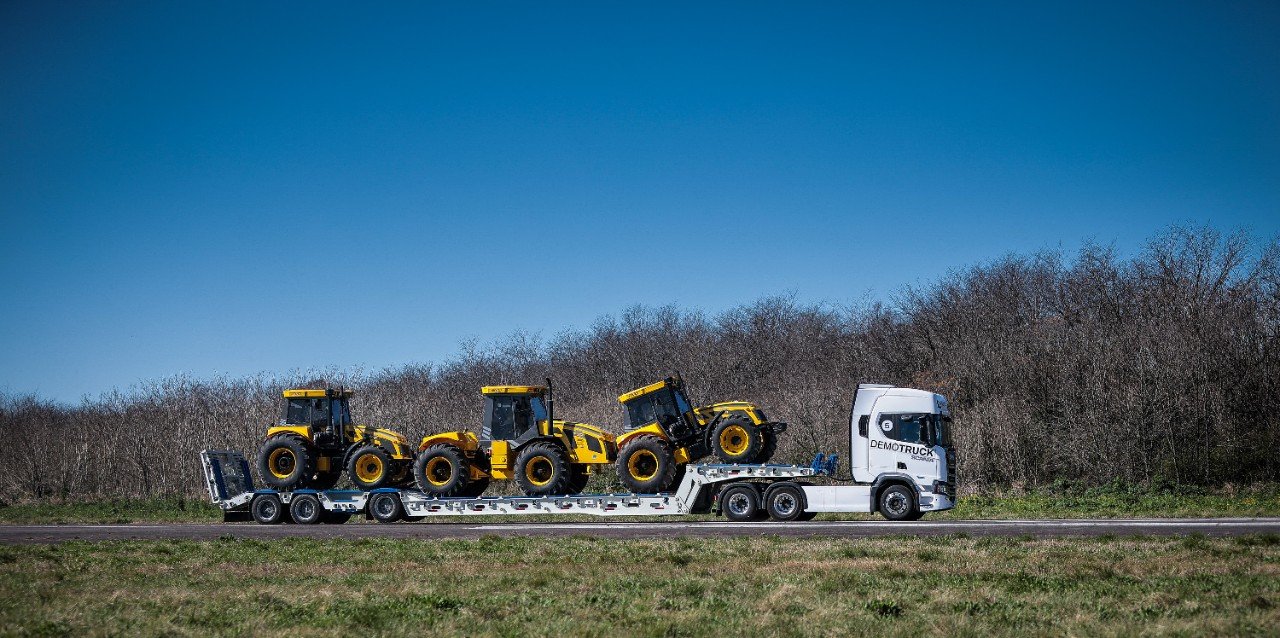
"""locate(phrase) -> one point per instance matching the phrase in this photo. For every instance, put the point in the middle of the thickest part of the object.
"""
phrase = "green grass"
(656, 587)
(1058, 501)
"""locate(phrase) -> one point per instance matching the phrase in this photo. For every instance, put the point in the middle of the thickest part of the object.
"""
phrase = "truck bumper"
(935, 502)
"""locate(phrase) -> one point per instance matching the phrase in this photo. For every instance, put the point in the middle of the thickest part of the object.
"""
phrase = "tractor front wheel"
(542, 469)
(737, 440)
(370, 467)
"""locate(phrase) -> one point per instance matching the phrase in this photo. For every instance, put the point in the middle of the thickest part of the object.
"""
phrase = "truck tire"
(737, 440)
(370, 467)
(542, 469)
(784, 502)
(897, 503)
(286, 461)
(385, 507)
(267, 509)
(306, 509)
(741, 503)
(442, 470)
(646, 465)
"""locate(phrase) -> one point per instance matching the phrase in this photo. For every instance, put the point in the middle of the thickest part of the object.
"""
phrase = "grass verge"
(655, 587)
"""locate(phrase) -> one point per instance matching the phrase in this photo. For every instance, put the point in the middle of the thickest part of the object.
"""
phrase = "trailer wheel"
(285, 461)
(740, 503)
(646, 464)
(385, 507)
(784, 502)
(542, 469)
(267, 509)
(442, 470)
(306, 509)
(897, 503)
(737, 440)
(370, 467)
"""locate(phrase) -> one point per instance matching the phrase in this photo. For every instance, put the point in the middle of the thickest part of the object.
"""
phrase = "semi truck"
(901, 464)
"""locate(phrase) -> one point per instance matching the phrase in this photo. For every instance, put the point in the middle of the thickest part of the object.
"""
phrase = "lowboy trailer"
(901, 467)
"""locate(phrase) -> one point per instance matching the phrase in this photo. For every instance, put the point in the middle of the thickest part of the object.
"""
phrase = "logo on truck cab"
(918, 452)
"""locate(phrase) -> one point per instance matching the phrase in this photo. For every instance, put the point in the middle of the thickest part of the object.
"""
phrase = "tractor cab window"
(342, 412)
(682, 403)
(319, 413)
(512, 416)
(313, 412)
(660, 406)
(908, 428)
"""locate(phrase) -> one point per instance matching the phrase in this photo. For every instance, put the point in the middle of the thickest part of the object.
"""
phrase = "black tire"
(370, 467)
(769, 447)
(737, 440)
(784, 502)
(741, 503)
(578, 479)
(286, 462)
(477, 487)
(897, 503)
(385, 507)
(542, 469)
(267, 509)
(335, 518)
(306, 509)
(442, 470)
(327, 480)
(647, 465)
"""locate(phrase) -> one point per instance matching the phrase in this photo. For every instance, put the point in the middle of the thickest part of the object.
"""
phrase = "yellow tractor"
(668, 433)
(520, 439)
(316, 440)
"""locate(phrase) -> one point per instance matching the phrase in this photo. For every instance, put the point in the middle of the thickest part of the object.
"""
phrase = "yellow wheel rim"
(643, 465)
(734, 440)
(281, 462)
(369, 468)
(539, 470)
(439, 471)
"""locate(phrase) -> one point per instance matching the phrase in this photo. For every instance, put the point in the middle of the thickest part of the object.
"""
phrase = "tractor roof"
(639, 392)
(514, 389)
(311, 393)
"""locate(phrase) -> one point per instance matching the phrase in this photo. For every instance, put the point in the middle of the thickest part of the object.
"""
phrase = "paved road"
(25, 534)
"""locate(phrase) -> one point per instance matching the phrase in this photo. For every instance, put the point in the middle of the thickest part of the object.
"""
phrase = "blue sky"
(243, 187)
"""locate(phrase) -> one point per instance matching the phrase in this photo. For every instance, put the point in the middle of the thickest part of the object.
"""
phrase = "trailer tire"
(784, 502)
(737, 440)
(306, 509)
(897, 503)
(741, 503)
(285, 461)
(385, 507)
(646, 465)
(542, 469)
(267, 509)
(370, 467)
(442, 470)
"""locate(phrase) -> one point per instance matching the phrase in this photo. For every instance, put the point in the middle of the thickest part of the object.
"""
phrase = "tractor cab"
(326, 412)
(664, 404)
(515, 413)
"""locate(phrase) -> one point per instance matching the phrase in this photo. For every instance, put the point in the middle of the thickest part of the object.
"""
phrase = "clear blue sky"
(239, 187)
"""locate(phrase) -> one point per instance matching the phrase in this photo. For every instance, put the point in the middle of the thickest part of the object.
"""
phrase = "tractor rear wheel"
(542, 469)
(286, 461)
(737, 440)
(370, 467)
(647, 465)
(442, 470)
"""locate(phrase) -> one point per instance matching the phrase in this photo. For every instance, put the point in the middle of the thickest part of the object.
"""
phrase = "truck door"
(897, 445)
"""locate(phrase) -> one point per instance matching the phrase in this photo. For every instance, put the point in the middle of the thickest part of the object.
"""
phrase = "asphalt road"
(27, 534)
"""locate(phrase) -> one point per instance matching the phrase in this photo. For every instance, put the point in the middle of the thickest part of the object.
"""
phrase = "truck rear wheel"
(897, 503)
(385, 507)
(542, 469)
(370, 467)
(442, 470)
(741, 503)
(647, 465)
(285, 461)
(737, 440)
(306, 509)
(267, 509)
(784, 502)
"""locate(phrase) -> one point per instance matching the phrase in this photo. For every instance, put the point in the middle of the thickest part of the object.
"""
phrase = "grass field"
(1114, 501)
(671, 587)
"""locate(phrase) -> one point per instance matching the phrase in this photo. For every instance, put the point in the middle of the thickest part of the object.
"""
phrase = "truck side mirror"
(862, 425)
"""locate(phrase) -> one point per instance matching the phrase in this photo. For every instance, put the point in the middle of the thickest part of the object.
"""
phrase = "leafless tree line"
(1092, 368)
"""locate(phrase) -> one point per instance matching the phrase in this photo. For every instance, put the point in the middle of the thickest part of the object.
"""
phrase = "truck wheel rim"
(369, 468)
(439, 471)
(896, 504)
(785, 504)
(306, 509)
(643, 465)
(384, 506)
(733, 440)
(267, 509)
(539, 470)
(739, 503)
(281, 463)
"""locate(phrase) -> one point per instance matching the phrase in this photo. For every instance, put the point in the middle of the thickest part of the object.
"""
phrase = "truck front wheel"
(898, 503)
